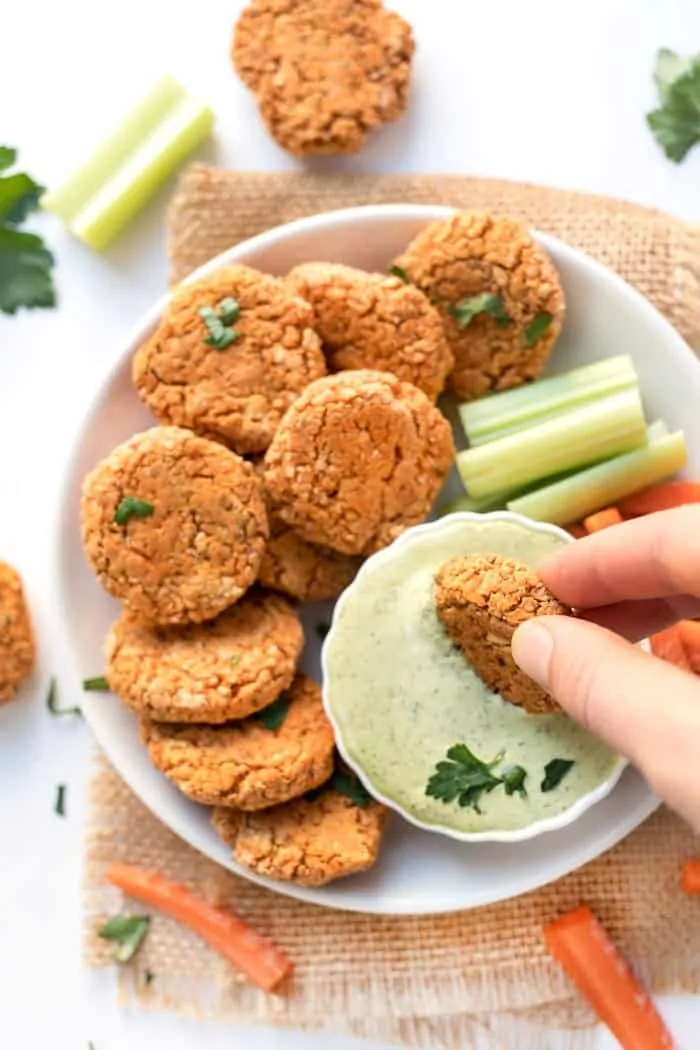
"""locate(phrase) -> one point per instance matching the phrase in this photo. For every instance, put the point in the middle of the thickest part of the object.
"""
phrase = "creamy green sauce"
(402, 694)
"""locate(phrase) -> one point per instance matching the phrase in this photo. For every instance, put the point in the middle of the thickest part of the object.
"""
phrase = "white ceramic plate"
(419, 872)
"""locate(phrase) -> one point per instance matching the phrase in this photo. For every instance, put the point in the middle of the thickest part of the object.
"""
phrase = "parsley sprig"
(675, 124)
(127, 932)
(25, 262)
(218, 324)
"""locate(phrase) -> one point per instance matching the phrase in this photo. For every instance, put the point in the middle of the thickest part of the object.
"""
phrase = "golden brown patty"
(16, 635)
(369, 320)
(358, 458)
(302, 570)
(174, 525)
(325, 72)
(481, 599)
(238, 392)
(310, 842)
(249, 764)
(457, 259)
(212, 672)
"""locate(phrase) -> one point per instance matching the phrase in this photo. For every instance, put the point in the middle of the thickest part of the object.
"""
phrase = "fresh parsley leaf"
(131, 507)
(229, 310)
(220, 335)
(8, 156)
(234, 659)
(463, 778)
(554, 773)
(127, 931)
(514, 780)
(398, 271)
(52, 703)
(537, 327)
(275, 713)
(322, 630)
(60, 803)
(351, 786)
(25, 262)
(676, 123)
(96, 685)
(466, 310)
(19, 196)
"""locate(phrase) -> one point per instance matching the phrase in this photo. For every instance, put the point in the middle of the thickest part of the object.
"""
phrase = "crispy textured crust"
(369, 320)
(481, 599)
(244, 764)
(325, 72)
(359, 457)
(16, 636)
(210, 673)
(470, 253)
(238, 394)
(310, 842)
(199, 551)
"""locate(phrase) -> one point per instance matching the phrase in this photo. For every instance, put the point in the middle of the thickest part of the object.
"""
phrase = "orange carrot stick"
(668, 645)
(691, 876)
(581, 945)
(689, 632)
(229, 935)
(603, 519)
(660, 497)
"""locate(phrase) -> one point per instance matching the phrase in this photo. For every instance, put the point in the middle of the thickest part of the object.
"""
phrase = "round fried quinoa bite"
(229, 356)
(174, 526)
(310, 841)
(470, 255)
(325, 73)
(481, 599)
(369, 320)
(17, 651)
(269, 758)
(358, 458)
(211, 672)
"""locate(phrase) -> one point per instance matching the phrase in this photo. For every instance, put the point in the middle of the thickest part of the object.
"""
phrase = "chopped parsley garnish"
(463, 778)
(127, 931)
(148, 977)
(537, 327)
(218, 324)
(96, 685)
(351, 786)
(52, 703)
(466, 310)
(25, 262)
(322, 630)
(60, 803)
(676, 123)
(234, 659)
(398, 271)
(514, 780)
(131, 507)
(554, 773)
(275, 713)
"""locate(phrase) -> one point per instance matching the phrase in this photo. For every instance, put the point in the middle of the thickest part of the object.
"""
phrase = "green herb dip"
(402, 694)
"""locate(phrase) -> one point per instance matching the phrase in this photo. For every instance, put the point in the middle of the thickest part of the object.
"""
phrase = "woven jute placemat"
(477, 980)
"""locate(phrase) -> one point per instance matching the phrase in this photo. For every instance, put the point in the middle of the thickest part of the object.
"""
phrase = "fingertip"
(532, 646)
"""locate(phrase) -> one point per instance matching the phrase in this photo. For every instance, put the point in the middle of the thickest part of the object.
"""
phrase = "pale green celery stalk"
(601, 486)
(511, 411)
(117, 180)
(575, 439)
(476, 506)
(656, 430)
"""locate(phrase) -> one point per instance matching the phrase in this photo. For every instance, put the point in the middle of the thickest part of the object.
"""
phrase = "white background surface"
(529, 89)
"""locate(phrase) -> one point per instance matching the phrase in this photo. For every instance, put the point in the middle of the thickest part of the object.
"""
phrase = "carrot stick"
(689, 632)
(577, 531)
(691, 876)
(581, 945)
(603, 519)
(668, 645)
(224, 931)
(660, 497)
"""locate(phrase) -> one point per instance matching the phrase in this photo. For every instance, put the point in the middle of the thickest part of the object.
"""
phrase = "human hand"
(625, 583)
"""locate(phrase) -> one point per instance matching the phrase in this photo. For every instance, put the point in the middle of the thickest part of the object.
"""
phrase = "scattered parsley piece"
(60, 803)
(463, 778)
(148, 977)
(234, 659)
(131, 507)
(554, 773)
(96, 685)
(229, 311)
(322, 630)
(25, 262)
(514, 780)
(220, 335)
(676, 123)
(537, 327)
(127, 931)
(52, 703)
(351, 786)
(466, 310)
(398, 271)
(275, 713)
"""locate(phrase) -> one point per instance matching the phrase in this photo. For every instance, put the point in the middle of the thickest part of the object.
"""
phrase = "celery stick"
(475, 506)
(113, 184)
(603, 485)
(575, 439)
(511, 411)
(656, 430)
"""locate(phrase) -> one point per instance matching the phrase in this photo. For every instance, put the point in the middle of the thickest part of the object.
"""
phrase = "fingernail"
(532, 651)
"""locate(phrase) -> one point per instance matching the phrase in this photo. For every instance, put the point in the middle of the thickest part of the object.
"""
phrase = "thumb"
(645, 709)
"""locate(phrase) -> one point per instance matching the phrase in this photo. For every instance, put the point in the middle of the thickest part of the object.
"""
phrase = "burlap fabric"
(477, 980)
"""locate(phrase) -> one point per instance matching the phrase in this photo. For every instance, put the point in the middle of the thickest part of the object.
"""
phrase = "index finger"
(653, 557)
